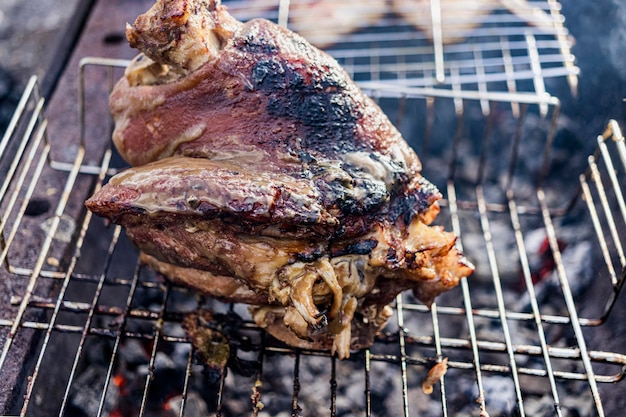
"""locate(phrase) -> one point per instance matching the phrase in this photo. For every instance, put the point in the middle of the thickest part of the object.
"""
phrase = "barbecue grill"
(87, 330)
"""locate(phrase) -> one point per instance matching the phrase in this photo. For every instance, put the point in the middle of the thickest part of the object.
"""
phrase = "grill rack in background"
(503, 52)
(43, 290)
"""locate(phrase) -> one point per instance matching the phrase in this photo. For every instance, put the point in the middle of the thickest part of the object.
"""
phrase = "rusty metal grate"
(74, 298)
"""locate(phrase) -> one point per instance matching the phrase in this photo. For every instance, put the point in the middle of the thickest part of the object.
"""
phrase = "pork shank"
(262, 174)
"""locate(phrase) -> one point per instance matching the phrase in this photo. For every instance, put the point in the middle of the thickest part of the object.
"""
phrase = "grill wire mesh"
(499, 50)
(72, 285)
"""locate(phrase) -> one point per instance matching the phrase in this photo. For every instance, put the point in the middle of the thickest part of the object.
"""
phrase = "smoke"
(617, 38)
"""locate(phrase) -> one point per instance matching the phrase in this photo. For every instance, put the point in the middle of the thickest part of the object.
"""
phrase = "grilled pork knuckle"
(262, 174)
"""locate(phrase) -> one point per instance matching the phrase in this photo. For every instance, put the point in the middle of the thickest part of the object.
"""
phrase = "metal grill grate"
(498, 45)
(74, 294)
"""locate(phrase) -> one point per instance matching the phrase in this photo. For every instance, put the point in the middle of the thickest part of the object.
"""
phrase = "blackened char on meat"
(261, 168)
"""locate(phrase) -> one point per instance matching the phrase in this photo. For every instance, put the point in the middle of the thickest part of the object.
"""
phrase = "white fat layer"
(375, 168)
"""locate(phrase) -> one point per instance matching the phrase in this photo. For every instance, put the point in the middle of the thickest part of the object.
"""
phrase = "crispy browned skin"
(299, 103)
(262, 168)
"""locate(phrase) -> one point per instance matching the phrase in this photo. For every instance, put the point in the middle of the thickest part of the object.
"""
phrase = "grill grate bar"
(530, 288)
(488, 346)
(185, 393)
(158, 329)
(510, 315)
(31, 90)
(439, 353)
(283, 12)
(564, 43)
(79, 277)
(31, 93)
(613, 132)
(487, 78)
(368, 385)
(611, 172)
(102, 310)
(456, 228)
(619, 140)
(6, 243)
(481, 81)
(26, 138)
(499, 296)
(435, 11)
(569, 301)
(535, 65)
(596, 220)
(117, 341)
(403, 356)
(57, 306)
(488, 48)
(395, 91)
(92, 308)
(69, 184)
(333, 386)
(509, 71)
(295, 408)
(220, 394)
(506, 370)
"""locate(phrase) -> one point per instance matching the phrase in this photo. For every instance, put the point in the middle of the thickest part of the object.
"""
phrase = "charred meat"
(262, 174)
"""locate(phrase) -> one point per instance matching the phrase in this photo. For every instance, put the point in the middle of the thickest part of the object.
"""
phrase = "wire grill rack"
(499, 45)
(69, 291)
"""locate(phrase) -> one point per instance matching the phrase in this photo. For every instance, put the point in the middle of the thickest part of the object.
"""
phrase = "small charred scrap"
(262, 174)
